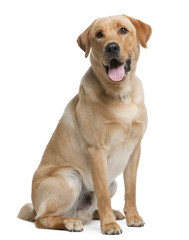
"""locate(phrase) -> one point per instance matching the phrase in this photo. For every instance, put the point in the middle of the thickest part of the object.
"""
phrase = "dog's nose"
(112, 49)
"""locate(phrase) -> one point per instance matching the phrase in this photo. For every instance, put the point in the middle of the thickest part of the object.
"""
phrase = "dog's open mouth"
(116, 70)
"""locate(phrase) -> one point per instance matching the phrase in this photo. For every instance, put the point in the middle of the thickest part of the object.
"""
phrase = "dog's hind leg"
(56, 199)
(60, 223)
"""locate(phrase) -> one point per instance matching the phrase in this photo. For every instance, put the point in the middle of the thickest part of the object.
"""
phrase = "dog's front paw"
(111, 228)
(134, 220)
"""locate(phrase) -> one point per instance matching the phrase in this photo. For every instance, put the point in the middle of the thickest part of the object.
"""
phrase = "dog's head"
(114, 42)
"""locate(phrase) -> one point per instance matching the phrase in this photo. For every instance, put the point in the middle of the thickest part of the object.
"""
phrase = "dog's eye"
(99, 35)
(123, 30)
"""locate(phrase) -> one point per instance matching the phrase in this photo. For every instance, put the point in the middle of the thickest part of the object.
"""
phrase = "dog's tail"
(27, 213)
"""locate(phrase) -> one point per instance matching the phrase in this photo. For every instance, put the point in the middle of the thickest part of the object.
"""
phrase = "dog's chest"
(119, 154)
(122, 140)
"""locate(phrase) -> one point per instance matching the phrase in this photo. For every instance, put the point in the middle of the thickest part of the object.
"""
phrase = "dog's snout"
(112, 49)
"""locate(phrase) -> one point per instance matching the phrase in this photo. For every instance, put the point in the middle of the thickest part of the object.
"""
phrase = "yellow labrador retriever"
(98, 137)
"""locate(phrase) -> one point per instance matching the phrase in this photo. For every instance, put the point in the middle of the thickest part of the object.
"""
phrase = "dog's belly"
(118, 159)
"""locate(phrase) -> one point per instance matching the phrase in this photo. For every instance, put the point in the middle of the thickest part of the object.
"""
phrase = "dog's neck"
(115, 92)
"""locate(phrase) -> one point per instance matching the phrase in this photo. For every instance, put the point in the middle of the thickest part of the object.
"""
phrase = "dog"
(98, 137)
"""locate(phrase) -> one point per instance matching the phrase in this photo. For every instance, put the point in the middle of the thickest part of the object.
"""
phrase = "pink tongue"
(117, 74)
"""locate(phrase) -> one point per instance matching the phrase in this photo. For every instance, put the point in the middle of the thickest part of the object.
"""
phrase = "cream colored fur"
(97, 138)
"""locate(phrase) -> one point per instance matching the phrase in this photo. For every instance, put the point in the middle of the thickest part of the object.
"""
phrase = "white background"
(40, 71)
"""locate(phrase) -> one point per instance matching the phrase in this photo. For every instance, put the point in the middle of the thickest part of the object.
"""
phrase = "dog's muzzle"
(116, 70)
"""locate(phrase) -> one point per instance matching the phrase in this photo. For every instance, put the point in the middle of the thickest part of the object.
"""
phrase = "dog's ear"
(144, 31)
(84, 40)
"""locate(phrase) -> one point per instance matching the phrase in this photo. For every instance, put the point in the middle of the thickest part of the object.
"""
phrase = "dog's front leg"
(130, 173)
(98, 168)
